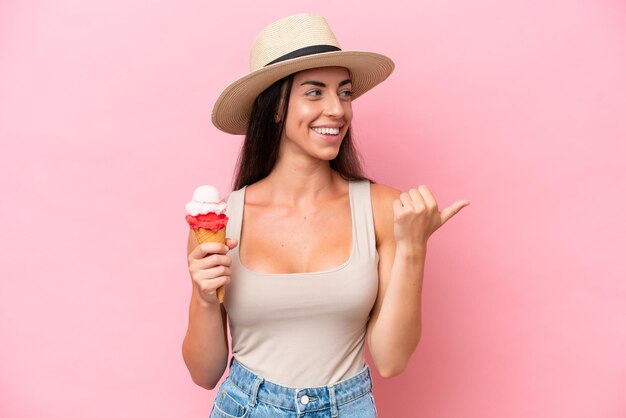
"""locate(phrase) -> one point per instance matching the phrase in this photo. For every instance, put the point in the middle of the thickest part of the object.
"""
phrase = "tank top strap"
(234, 211)
(363, 219)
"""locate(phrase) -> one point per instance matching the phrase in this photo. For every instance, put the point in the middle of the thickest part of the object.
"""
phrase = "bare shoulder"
(382, 208)
(382, 192)
(382, 199)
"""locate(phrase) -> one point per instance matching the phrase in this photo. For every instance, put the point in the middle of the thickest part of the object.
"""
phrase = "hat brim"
(232, 108)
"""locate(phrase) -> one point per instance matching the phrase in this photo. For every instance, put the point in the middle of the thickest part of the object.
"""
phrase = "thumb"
(449, 212)
(231, 243)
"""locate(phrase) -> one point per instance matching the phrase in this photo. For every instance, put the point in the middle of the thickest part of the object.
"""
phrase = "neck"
(299, 181)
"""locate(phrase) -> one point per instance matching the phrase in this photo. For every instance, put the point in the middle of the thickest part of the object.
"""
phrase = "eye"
(346, 93)
(314, 93)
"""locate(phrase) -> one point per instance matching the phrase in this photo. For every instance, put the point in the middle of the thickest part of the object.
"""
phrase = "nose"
(334, 106)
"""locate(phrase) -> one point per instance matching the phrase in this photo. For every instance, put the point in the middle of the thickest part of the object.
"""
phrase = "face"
(319, 112)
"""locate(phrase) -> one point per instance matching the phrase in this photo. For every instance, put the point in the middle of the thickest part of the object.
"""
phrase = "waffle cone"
(206, 235)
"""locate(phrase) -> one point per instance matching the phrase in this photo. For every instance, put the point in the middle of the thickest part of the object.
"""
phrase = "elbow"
(203, 379)
(200, 377)
(391, 371)
(391, 368)
(394, 366)
(203, 383)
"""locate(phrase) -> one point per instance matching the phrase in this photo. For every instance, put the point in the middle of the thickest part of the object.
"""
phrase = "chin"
(328, 156)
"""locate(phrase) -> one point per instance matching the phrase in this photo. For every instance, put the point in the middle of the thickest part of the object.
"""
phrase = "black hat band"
(307, 50)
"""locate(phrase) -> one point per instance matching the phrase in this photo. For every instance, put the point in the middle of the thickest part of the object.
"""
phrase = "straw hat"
(292, 44)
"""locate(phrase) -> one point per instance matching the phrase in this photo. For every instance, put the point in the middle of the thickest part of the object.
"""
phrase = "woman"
(321, 257)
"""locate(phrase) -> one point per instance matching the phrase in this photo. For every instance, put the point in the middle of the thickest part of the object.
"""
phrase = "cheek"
(347, 112)
(302, 114)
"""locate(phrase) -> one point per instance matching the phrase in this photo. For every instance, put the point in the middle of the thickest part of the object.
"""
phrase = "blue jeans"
(245, 394)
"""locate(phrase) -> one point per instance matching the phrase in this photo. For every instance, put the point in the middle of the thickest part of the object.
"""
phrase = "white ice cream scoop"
(205, 199)
(206, 194)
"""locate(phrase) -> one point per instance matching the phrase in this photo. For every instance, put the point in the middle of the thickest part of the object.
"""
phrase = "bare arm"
(205, 346)
(404, 222)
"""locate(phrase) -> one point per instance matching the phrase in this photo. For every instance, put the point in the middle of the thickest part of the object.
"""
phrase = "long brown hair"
(259, 152)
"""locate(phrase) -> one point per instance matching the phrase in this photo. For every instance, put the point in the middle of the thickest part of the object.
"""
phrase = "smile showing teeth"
(327, 131)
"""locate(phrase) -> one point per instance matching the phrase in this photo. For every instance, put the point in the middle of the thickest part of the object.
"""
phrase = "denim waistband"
(300, 399)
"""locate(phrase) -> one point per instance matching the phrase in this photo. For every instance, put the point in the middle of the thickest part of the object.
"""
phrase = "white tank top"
(304, 329)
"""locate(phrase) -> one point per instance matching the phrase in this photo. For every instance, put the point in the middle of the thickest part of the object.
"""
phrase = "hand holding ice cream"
(207, 218)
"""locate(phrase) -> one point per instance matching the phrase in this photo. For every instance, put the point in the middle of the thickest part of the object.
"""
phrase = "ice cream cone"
(207, 219)
(206, 235)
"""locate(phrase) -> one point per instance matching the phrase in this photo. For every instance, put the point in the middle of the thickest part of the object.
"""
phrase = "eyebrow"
(320, 84)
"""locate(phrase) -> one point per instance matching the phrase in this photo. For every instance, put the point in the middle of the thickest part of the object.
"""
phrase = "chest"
(286, 240)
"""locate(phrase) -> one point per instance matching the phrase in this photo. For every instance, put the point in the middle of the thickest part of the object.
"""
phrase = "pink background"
(518, 106)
